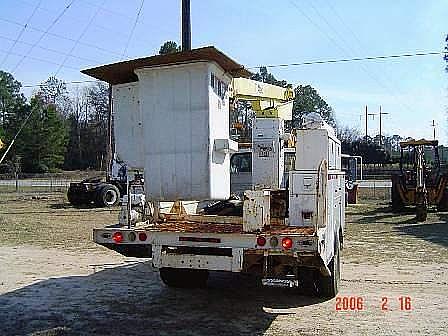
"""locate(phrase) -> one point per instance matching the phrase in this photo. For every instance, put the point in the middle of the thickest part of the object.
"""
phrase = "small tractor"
(420, 182)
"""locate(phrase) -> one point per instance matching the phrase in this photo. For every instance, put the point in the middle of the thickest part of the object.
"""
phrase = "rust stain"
(184, 226)
(194, 227)
(283, 229)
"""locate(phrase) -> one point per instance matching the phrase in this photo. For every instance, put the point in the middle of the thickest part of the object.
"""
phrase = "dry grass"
(48, 220)
(376, 193)
(375, 234)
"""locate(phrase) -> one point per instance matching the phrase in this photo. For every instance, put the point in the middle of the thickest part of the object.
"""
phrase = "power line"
(66, 83)
(128, 17)
(361, 47)
(16, 135)
(351, 51)
(21, 32)
(51, 50)
(269, 66)
(318, 27)
(335, 32)
(328, 3)
(88, 3)
(354, 59)
(363, 67)
(96, 25)
(79, 38)
(133, 28)
(38, 59)
(44, 34)
(63, 37)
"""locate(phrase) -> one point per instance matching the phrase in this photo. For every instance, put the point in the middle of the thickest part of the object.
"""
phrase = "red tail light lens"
(261, 241)
(287, 243)
(142, 236)
(117, 237)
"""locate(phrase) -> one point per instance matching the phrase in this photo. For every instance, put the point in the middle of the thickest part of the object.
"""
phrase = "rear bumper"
(217, 252)
(301, 243)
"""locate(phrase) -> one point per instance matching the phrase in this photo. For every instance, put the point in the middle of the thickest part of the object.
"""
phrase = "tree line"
(60, 130)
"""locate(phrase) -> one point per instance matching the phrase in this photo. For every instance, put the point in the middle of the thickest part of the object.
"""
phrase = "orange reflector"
(117, 237)
(287, 243)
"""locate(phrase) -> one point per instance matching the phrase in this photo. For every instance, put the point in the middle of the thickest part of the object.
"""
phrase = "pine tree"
(43, 141)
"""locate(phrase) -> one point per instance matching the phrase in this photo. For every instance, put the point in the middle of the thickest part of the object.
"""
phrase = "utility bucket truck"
(172, 112)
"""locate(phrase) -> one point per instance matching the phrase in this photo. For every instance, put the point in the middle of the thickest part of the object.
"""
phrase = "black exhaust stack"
(186, 26)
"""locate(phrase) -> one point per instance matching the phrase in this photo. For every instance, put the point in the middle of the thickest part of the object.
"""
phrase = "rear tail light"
(287, 243)
(117, 237)
(261, 241)
(142, 236)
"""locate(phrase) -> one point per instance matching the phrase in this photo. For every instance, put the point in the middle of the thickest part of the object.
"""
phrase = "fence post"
(17, 181)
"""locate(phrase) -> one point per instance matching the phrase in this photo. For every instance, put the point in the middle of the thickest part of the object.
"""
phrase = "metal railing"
(57, 182)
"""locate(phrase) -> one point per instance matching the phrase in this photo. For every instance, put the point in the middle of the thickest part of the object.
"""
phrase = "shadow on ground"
(66, 205)
(436, 233)
(384, 214)
(131, 300)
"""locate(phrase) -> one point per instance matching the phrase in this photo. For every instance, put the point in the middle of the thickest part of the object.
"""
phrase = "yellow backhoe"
(420, 182)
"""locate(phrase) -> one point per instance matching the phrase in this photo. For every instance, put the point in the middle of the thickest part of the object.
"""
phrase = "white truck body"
(314, 237)
(185, 131)
(128, 125)
(288, 225)
(268, 154)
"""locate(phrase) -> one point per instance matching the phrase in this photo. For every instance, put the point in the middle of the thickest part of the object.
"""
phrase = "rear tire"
(307, 277)
(397, 203)
(328, 286)
(443, 204)
(184, 277)
(421, 213)
(107, 196)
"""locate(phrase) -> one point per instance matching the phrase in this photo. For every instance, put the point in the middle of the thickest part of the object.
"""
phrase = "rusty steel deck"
(184, 226)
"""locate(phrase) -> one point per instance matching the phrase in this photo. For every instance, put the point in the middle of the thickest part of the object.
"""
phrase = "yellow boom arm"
(268, 101)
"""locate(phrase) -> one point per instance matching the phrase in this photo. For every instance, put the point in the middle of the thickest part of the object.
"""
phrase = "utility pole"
(366, 124)
(381, 120)
(433, 129)
(186, 26)
(367, 117)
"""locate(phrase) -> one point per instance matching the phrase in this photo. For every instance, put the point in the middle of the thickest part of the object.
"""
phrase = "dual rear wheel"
(325, 286)
(328, 286)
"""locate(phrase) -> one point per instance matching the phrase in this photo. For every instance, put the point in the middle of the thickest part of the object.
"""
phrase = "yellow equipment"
(420, 182)
(268, 101)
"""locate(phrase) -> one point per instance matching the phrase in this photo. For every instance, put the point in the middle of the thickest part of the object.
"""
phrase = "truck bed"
(183, 226)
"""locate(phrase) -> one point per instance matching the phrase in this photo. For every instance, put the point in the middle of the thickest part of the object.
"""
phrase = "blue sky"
(414, 91)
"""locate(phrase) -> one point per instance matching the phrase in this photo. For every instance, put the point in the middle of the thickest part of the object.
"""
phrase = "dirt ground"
(55, 281)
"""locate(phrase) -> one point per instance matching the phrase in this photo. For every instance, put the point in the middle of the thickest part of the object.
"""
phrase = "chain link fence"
(373, 190)
(45, 183)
